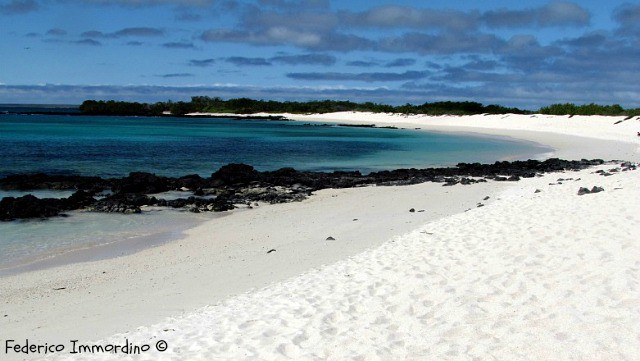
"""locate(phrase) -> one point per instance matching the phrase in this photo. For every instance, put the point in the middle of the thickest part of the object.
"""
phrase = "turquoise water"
(115, 146)
(33, 242)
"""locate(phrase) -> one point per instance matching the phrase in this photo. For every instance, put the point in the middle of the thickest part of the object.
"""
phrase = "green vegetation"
(251, 106)
(589, 109)
(111, 107)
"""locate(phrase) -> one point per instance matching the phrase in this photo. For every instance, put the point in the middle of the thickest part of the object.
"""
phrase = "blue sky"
(524, 54)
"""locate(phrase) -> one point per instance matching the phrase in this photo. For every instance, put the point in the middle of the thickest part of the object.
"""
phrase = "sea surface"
(114, 146)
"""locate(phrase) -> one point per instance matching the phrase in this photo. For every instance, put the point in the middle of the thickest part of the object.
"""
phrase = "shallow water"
(32, 241)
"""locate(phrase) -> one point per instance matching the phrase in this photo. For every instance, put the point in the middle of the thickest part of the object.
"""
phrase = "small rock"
(537, 191)
(595, 189)
(480, 205)
(412, 210)
(271, 250)
(485, 198)
(330, 238)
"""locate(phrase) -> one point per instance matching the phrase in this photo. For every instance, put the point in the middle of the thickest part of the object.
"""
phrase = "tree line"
(207, 104)
(589, 109)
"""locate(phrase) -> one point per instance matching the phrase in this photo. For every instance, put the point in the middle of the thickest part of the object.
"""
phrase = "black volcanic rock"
(79, 199)
(235, 174)
(28, 206)
(191, 181)
(139, 182)
(242, 184)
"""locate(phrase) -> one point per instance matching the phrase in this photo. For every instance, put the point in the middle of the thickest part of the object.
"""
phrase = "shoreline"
(571, 137)
(219, 260)
(280, 186)
(577, 137)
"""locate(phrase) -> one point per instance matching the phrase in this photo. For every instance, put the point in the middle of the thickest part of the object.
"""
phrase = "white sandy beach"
(538, 272)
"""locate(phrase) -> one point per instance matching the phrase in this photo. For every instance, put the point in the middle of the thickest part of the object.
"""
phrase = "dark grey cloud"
(179, 45)
(274, 36)
(593, 39)
(87, 42)
(142, 3)
(298, 4)
(419, 30)
(400, 62)
(187, 16)
(139, 31)
(527, 53)
(56, 32)
(628, 19)
(366, 77)
(126, 32)
(480, 64)
(176, 75)
(286, 36)
(362, 63)
(312, 30)
(433, 65)
(243, 61)
(394, 16)
(559, 13)
(305, 59)
(18, 7)
(447, 43)
(202, 62)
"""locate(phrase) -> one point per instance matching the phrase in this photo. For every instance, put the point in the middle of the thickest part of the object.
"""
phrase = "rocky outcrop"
(29, 206)
(235, 184)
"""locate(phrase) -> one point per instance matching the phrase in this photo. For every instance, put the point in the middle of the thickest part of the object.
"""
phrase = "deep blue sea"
(115, 146)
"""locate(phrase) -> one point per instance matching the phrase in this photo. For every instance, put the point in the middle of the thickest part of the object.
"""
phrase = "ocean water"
(115, 146)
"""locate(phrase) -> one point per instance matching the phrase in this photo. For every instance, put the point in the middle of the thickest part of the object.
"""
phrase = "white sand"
(547, 275)
(534, 276)
(218, 259)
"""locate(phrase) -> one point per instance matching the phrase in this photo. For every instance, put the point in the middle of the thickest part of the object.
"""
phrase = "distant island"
(205, 104)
